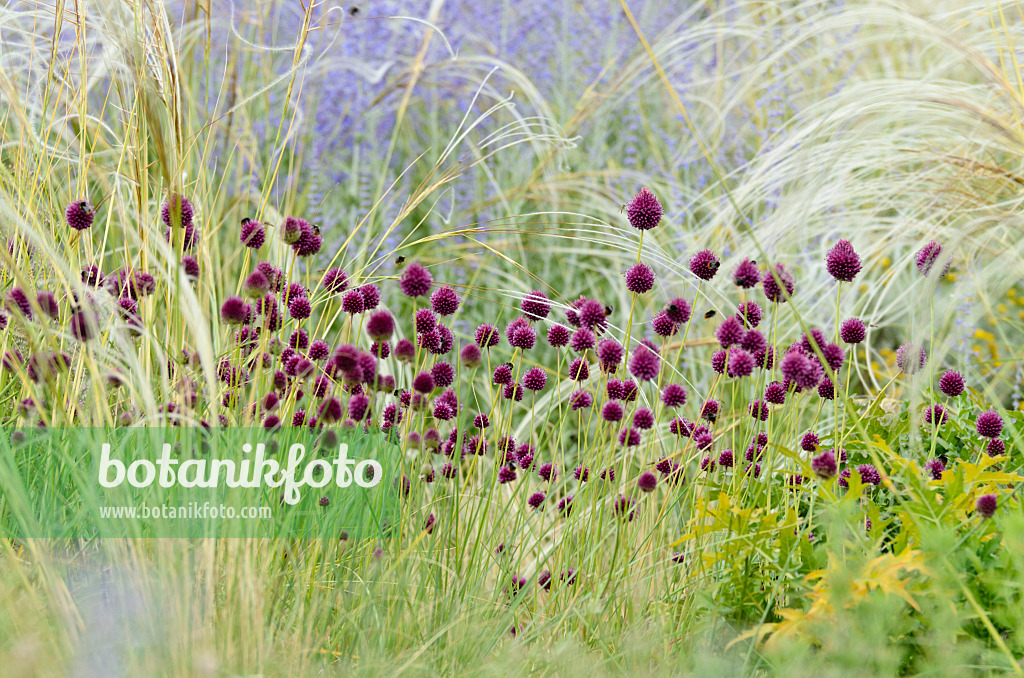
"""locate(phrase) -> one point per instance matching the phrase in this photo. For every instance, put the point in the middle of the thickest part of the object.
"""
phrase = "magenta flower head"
(935, 415)
(746, 275)
(678, 310)
(775, 393)
(935, 467)
(535, 305)
(749, 313)
(299, 308)
(423, 383)
(335, 281)
(256, 285)
(534, 379)
(486, 336)
(79, 215)
(84, 325)
(645, 364)
(740, 363)
(444, 301)
(710, 410)
(927, 257)
(47, 304)
(582, 340)
(704, 264)
(380, 325)
(609, 354)
(809, 442)
(907, 361)
(252, 234)
(177, 211)
(291, 230)
(869, 475)
(986, 505)
(951, 383)
(371, 297)
(995, 447)
(521, 334)
(842, 262)
(643, 211)
(647, 482)
(852, 331)
(730, 332)
(824, 465)
(234, 311)
(352, 302)
(639, 278)
(673, 395)
(309, 241)
(558, 336)
(415, 280)
(191, 266)
(799, 369)
(579, 370)
(775, 292)
(663, 325)
(989, 424)
(405, 351)
(471, 356)
(591, 314)
(580, 400)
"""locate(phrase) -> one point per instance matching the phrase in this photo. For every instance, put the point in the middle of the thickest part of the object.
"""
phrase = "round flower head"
(663, 325)
(416, 281)
(746, 275)
(423, 383)
(643, 419)
(535, 305)
(673, 395)
(799, 369)
(371, 297)
(927, 257)
(718, 361)
(547, 472)
(234, 311)
(640, 278)
(809, 341)
(471, 356)
(299, 340)
(252, 234)
(335, 281)
(989, 424)
(273, 273)
(536, 501)
(834, 356)
(256, 285)
(643, 211)
(592, 315)
(190, 265)
(299, 308)
(775, 292)
(580, 400)
(842, 262)
(951, 383)
(826, 389)
(935, 467)
(291, 230)
(48, 305)
(309, 241)
(704, 264)
(986, 505)
(579, 370)
(730, 332)
(609, 353)
(380, 325)
(443, 373)
(758, 409)
(749, 313)
(710, 410)
(79, 215)
(645, 364)
(775, 393)
(534, 379)
(612, 411)
(766, 358)
(558, 336)
(725, 459)
(824, 465)
(522, 335)
(678, 310)
(852, 331)
(740, 363)
(905, 358)
(582, 340)
(935, 415)
(486, 336)
(995, 447)
(809, 442)
(352, 302)
(647, 482)
(444, 301)
(629, 437)
(177, 211)
(753, 342)
(869, 475)
(425, 321)
(405, 351)
(502, 375)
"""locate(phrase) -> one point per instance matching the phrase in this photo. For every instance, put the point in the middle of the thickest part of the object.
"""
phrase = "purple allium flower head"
(612, 411)
(678, 310)
(995, 447)
(47, 304)
(486, 336)
(852, 331)
(371, 297)
(565, 505)
(558, 336)
(644, 210)
(673, 395)
(79, 215)
(177, 210)
(415, 280)
(405, 351)
(580, 400)
(536, 501)
(579, 370)
(330, 410)
(775, 393)
(749, 313)
(824, 465)
(442, 411)
(718, 361)
(746, 274)
(273, 273)
(800, 369)
(725, 459)
(741, 363)
(299, 308)
(444, 301)
(809, 442)
(91, 275)
(17, 300)
(521, 334)
(707, 464)
(535, 305)
(234, 311)
(352, 302)
(506, 474)
(927, 257)
(502, 375)
(298, 340)
(380, 325)
(629, 390)
(709, 410)
(358, 407)
(729, 332)
(592, 315)
(535, 379)
(291, 230)
(624, 506)
(811, 339)
(951, 383)
(443, 373)
(449, 471)
(544, 579)
(986, 505)
(772, 290)
(423, 383)
(335, 281)
(309, 241)
(582, 340)
(252, 234)
(581, 473)
(425, 321)
(680, 427)
(647, 482)
(842, 262)
(826, 389)
(989, 424)
(758, 409)
(935, 467)
(905, 358)
(766, 358)
(834, 356)
(547, 472)
(190, 265)
(663, 325)
(704, 264)
(869, 475)
(471, 356)
(609, 354)
(629, 437)
(935, 415)
(643, 419)
(639, 278)
(645, 364)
